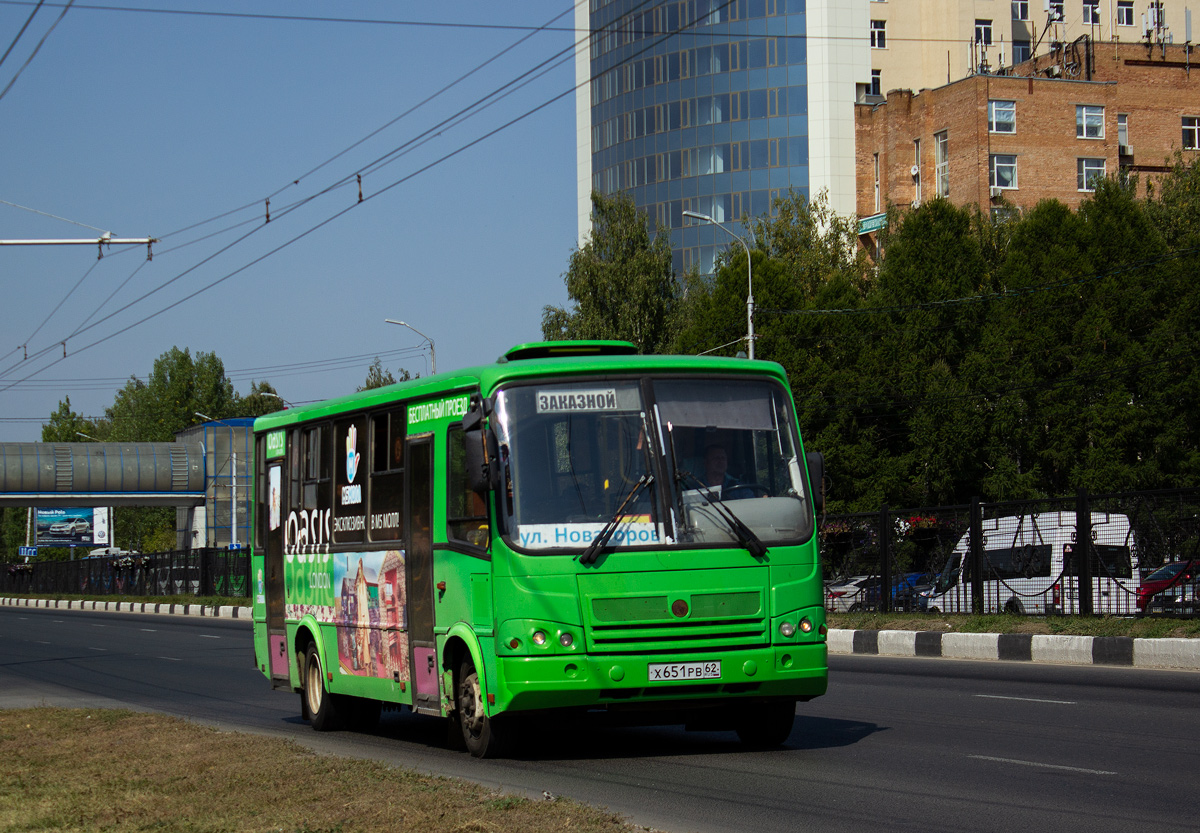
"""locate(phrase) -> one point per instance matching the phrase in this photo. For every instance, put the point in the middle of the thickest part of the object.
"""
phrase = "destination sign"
(576, 401)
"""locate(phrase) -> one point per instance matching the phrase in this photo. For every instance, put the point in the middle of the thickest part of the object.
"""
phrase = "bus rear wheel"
(766, 725)
(478, 730)
(322, 707)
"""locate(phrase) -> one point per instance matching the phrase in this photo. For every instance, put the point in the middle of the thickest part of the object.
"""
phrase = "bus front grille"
(701, 612)
(678, 637)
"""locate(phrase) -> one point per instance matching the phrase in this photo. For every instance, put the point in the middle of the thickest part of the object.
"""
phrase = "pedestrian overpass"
(204, 474)
(102, 474)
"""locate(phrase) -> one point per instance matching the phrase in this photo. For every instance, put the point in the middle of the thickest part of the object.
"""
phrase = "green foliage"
(65, 426)
(178, 388)
(1003, 356)
(621, 283)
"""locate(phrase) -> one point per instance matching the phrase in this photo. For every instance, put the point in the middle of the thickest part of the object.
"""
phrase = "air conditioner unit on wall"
(1125, 150)
(996, 191)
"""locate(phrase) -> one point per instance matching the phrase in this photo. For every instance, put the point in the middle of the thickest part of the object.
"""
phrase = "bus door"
(273, 492)
(419, 564)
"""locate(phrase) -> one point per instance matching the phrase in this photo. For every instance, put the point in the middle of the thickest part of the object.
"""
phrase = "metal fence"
(201, 572)
(1020, 556)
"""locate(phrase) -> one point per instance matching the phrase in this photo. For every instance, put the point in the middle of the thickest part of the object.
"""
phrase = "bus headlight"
(787, 630)
(539, 637)
(565, 639)
(806, 625)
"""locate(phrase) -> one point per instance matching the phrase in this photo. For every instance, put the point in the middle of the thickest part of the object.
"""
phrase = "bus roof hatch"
(555, 349)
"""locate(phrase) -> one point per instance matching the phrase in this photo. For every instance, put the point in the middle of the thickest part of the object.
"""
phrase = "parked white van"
(1023, 563)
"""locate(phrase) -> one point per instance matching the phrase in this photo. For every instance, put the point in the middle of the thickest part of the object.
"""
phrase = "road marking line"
(149, 630)
(171, 659)
(97, 649)
(1028, 699)
(1042, 766)
(208, 636)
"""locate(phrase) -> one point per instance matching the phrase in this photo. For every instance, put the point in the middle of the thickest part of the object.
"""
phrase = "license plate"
(670, 672)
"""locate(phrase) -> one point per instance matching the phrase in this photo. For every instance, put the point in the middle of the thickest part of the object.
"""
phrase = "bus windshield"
(716, 458)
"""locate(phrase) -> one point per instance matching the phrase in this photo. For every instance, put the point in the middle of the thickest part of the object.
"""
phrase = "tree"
(621, 282)
(65, 425)
(177, 389)
(262, 399)
(378, 377)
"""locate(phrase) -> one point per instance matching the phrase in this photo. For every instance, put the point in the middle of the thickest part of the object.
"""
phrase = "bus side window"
(316, 468)
(466, 512)
(385, 516)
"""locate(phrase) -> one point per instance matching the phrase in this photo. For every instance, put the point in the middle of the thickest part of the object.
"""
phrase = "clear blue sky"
(145, 124)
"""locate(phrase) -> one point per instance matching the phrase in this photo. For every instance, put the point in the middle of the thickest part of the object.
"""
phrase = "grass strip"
(112, 770)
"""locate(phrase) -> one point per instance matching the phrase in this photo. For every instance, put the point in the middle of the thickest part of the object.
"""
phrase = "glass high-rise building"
(718, 107)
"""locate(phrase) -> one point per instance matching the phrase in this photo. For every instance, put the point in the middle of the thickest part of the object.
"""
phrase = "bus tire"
(322, 707)
(478, 730)
(766, 725)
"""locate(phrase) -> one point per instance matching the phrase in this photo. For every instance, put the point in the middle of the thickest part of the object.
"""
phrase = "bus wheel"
(320, 704)
(766, 725)
(478, 730)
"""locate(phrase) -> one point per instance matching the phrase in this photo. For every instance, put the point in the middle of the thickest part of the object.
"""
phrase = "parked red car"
(1168, 575)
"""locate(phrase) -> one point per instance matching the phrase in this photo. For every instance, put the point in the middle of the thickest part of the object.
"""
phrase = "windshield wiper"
(593, 549)
(744, 534)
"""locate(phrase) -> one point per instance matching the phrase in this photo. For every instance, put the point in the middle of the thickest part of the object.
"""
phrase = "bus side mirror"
(816, 479)
(477, 467)
(476, 453)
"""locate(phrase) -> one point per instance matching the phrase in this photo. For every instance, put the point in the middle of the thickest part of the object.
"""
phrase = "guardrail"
(1020, 556)
(200, 572)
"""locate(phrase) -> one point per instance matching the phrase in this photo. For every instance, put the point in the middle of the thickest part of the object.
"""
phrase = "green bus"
(575, 527)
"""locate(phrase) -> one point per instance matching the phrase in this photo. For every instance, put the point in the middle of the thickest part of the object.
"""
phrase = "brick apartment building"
(1042, 131)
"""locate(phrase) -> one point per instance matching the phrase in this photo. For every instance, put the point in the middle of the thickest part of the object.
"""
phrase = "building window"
(1020, 9)
(1123, 130)
(1002, 170)
(1021, 51)
(1002, 116)
(877, 183)
(878, 34)
(1091, 11)
(876, 82)
(1089, 121)
(1191, 132)
(983, 32)
(1124, 12)
(1086, 173)
(1155, 15)
(941, 163)
(1056, 10)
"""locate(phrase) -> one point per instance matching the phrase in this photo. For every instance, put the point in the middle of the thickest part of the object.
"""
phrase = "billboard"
(72, 527)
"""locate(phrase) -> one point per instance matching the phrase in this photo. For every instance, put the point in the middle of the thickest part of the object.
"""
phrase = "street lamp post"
(432, 355)
(286, 404)
(749, 277)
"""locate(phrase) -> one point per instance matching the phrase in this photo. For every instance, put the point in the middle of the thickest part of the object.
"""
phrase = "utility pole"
(100, 242)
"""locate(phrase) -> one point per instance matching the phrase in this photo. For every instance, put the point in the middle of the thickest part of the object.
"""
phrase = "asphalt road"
(896, 744)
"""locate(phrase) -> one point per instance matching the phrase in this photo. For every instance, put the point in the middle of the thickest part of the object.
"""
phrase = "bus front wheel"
(766, 725)
(323, 713)
(478, 730)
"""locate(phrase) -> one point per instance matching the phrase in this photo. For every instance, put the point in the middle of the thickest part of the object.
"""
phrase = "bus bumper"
(796, 671)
